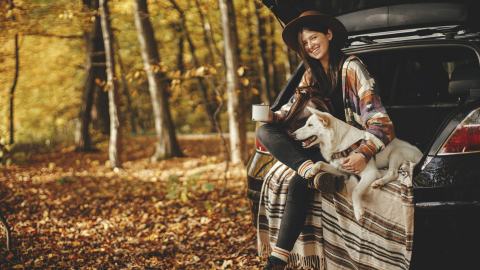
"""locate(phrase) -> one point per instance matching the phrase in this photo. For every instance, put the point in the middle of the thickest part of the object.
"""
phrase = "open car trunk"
(413, 80)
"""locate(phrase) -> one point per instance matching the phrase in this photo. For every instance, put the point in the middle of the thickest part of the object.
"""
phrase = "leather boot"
(272, 266)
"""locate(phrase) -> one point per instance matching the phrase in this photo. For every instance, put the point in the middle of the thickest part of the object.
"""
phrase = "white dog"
(334, 136)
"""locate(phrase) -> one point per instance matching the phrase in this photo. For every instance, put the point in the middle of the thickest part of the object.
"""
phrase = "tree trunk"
(262, 60)
(167, 145)
(95, 69)
(272, 71)
(115, 146)
(12, 90)
(101, 103)
(232, 85)
(180, 65)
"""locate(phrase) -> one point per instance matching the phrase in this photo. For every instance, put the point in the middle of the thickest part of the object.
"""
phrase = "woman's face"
(316, 43)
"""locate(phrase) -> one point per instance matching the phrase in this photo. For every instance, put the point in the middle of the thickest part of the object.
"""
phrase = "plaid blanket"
(332, 238)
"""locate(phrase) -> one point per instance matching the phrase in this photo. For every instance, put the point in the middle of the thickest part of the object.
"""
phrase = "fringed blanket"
(332, 238)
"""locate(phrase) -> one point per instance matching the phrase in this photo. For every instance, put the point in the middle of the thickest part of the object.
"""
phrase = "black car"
(424, 57)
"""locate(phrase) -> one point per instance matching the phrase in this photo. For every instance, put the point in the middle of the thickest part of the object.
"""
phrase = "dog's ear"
(323, 117)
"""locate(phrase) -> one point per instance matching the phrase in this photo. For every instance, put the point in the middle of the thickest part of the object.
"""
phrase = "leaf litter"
(68, 210)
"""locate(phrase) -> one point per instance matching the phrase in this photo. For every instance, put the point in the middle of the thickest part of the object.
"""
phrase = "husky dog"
(335, 136)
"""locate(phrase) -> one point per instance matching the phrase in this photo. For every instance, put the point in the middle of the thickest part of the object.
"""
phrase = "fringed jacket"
(363, 107)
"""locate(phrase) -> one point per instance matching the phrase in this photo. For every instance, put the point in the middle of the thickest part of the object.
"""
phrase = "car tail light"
(258, 146)
(466, 137)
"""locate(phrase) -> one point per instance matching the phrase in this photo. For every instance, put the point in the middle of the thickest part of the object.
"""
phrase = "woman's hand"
(355, 163)
(270, 116)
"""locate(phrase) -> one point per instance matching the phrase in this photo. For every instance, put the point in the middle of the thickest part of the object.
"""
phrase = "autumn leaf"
(177, 74)
(254, 91)
(240, 71)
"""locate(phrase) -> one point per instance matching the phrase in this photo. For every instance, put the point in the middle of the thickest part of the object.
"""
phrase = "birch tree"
(167, 145)
(115, 146)
(232, 85)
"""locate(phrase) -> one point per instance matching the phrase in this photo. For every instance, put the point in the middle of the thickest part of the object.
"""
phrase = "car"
(424, 57)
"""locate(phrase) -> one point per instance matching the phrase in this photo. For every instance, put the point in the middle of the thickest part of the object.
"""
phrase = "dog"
(334, 136)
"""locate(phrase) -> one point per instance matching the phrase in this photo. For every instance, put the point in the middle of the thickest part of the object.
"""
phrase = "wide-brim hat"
(290, 32)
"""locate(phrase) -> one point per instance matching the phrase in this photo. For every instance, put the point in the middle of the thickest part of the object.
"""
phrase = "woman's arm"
(282, 113)
(364, 107)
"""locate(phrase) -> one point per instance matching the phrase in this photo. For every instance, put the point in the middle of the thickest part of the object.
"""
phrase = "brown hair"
(326, 80)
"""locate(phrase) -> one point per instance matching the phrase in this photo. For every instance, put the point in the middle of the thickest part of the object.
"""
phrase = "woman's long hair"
(326, 80)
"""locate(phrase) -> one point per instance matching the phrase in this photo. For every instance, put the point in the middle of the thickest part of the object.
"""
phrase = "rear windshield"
(336, 8)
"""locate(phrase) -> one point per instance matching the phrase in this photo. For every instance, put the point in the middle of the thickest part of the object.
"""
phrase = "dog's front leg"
(322, 166)
(368, 176)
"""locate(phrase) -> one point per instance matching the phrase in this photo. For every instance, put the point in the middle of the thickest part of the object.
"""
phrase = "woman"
(318, 38)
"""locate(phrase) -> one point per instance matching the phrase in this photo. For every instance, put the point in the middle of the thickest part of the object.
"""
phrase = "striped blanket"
(331, 237)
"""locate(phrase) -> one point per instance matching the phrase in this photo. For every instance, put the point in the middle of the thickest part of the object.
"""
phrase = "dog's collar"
(345, 153)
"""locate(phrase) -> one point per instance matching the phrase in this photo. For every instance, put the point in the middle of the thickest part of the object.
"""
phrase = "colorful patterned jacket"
(363, 107)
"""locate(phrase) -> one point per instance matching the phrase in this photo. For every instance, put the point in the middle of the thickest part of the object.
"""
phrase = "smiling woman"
(318, 38)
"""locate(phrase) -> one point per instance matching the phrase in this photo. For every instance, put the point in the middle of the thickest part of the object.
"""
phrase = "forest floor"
(69, 210)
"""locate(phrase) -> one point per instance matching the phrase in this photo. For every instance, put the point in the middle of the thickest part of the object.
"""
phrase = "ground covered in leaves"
(68, 210)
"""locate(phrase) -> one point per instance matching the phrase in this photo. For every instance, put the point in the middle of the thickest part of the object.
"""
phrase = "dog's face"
(317, 130)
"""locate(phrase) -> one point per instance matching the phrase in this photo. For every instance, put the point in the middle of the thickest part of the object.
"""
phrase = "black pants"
(287, 151)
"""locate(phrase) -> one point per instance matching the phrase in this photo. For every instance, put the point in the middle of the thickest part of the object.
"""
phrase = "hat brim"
(290, 32)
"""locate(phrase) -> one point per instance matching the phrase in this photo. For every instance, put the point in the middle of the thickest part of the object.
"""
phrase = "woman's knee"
(264, 132)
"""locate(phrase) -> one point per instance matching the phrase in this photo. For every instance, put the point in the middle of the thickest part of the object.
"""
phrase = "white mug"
(260, 112)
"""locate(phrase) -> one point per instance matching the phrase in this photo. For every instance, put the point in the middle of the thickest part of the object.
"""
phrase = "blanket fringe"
(314, 261)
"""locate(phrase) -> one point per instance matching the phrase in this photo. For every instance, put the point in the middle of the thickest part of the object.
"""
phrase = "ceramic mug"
(260, 112)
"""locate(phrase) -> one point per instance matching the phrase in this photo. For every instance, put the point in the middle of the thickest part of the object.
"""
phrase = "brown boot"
(327, 182)
(272, 266)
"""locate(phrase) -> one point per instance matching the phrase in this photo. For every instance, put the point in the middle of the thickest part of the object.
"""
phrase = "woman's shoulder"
(354, 64)
(355, 68)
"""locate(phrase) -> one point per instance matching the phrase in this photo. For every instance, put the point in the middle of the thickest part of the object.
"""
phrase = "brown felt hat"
(290, 32)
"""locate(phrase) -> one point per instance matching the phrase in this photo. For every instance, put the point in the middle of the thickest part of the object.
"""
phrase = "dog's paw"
(359, 212)
(377, 184)
(314, 170)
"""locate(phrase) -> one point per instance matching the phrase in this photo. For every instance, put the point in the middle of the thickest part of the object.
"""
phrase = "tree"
(262, 60)
(12, 91)
(167, 145)
(115, 147)
(95, 76)
(235, 112)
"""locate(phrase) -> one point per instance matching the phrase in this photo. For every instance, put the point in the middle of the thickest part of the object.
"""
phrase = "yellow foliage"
(254, 91)
(240, 71)
(200, 71)
(177, 74)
